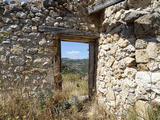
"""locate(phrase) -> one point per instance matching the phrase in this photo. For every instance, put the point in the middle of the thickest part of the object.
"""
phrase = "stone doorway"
(71, 35)
(91, 66)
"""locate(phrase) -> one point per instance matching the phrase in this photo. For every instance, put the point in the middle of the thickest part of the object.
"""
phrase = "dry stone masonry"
(27, 55)
(128, 66)
(129, 55)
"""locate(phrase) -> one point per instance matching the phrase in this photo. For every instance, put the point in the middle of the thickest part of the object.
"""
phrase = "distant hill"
(79, 66)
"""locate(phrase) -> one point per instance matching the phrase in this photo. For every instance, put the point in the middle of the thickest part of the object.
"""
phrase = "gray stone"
(156, 100)
(149, 81)
(19, 69)
(147, 25)
(21, 15)
(42, 42)
(6, 42)
(127, 62)
(1, 50)
(50, 21)
(132, 15)
(32, 50)
(34, 9)
(117, 88)
(3, 58)
(15, 7)
(27, 29)
(130, 48)
(17, 49)
(24, 40)
(15, 27)
(36, 20)
(16, 60)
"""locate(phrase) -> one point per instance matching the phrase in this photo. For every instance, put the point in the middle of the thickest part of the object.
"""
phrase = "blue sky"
(74, 50)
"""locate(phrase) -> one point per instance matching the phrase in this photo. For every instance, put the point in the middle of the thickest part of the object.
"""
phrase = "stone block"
(141, 44)
(17, 49)
(142, 108)
(123, 43)
(147, 25)
(138, 3)
(141, 56)
(152, 50)
(148, 81)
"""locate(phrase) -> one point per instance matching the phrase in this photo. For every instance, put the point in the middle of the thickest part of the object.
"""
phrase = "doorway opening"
(74, 69)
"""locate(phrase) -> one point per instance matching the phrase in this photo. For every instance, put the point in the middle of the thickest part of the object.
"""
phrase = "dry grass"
(74, 85)
(60, 106)
(63, 105)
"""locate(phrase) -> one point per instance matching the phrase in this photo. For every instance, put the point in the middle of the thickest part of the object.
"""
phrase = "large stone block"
(147, 25)
(138, 3)
(142, 108)
(141, 56)
(149, 81)
(152, 50)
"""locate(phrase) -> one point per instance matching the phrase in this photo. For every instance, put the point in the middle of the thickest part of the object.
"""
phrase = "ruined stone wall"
(128, 71)
(27, 56)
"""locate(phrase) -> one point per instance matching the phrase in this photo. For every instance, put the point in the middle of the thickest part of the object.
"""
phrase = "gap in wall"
(74, 68)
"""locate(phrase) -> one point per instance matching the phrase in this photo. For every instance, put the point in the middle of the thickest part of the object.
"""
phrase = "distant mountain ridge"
(79, 66)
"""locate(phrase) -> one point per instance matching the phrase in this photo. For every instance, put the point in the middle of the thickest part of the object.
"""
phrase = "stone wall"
(129, 55)
(27, 56)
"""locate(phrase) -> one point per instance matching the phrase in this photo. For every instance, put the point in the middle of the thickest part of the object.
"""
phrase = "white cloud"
(73, 52)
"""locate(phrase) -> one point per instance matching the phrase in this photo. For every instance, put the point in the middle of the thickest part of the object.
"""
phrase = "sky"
(74, 50)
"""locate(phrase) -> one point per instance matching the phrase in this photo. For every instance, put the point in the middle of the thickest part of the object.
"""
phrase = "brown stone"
(138, 3)
(142, 108)
(142, 67)
(141, 56)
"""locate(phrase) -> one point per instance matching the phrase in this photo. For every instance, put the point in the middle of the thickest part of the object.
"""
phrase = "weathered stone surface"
(138, 3)
(142, 67)
(123, 43)
(147, 25)
(16, 60)
(152, 50)
(142, 108)
(111, 95)
(110, 61)
(132, 15)
(141, 44)
(127, 62)
(21, 15)
(149, 81)
(17, 49)
(156, 100)
(130, 73)
(141, 56)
